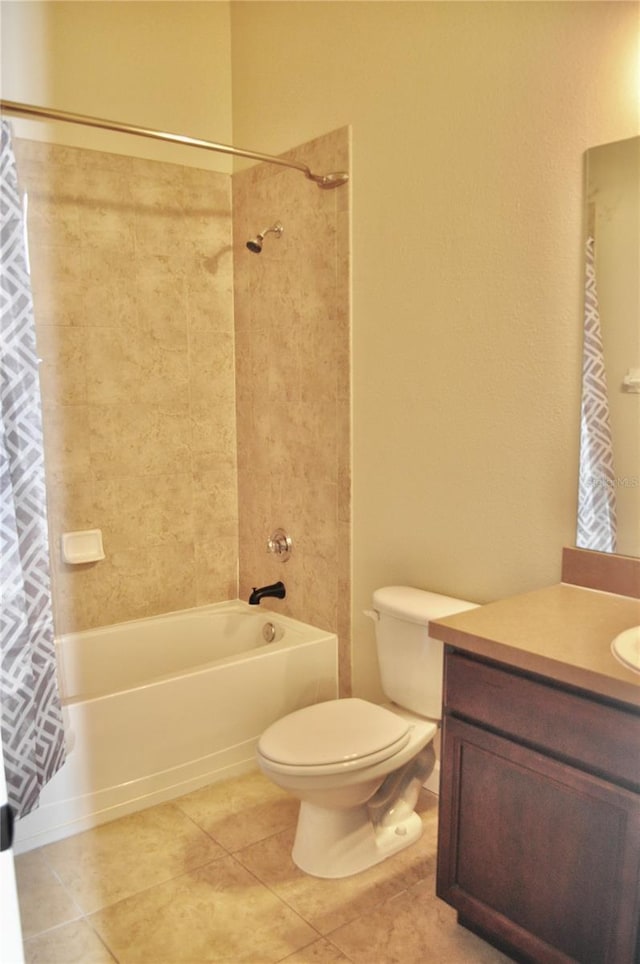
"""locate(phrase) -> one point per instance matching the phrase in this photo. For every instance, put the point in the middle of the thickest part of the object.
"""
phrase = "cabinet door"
(538, 855)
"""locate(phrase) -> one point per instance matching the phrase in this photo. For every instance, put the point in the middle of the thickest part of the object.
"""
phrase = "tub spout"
(277, 590)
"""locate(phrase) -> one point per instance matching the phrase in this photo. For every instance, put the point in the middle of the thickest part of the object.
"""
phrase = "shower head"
(255, 244)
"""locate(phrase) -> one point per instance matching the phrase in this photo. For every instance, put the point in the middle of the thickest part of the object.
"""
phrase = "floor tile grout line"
(403, 890)
(301, 950)
(85, 917)
(66, 891)
(103, 941)
(85, 914)
(74, 920)
(54, 927)
(280, 899)
(185, 872)
(200, 827)
(157, 883)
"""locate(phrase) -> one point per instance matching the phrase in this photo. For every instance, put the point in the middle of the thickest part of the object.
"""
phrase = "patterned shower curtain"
(597, 494)
(31, 716)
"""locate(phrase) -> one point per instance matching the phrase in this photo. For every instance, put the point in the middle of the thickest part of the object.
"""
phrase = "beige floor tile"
(111, 862)
(413, 928)
(74, 943)
(320, 952)
(242, 811)
(44, 903)
(327, 904)
(217, 913)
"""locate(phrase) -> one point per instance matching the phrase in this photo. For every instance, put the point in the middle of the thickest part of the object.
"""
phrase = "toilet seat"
(330, 737)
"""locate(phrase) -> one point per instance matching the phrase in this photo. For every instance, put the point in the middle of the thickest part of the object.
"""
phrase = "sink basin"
(626, 648)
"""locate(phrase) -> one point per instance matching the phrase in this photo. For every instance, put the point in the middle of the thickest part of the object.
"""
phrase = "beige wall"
(469, 123)
(292, 386)
(163, 65)
(132, 274)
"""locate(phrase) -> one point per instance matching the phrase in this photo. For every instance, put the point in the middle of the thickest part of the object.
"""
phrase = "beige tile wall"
(293, 386)
(132, 278)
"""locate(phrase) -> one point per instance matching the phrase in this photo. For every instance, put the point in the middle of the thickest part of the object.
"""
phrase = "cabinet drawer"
(603, 738)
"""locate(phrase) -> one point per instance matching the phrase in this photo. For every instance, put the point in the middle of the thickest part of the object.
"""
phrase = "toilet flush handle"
(372, 614)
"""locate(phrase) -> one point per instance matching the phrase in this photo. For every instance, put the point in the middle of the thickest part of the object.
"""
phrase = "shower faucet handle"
(280, 545)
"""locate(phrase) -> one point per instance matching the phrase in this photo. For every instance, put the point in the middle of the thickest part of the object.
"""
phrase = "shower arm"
(46, 113)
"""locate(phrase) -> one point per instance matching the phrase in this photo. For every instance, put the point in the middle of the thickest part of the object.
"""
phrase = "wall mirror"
(609, 498)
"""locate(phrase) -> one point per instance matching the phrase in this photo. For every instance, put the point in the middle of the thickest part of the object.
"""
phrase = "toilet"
(357, 767)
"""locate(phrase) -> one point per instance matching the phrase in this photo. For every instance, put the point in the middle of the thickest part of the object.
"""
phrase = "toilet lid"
(335, 732)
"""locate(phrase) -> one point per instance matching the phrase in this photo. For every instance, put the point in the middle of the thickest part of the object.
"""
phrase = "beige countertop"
(563, 632)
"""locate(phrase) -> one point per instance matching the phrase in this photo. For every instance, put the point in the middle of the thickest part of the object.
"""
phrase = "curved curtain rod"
(29, 110)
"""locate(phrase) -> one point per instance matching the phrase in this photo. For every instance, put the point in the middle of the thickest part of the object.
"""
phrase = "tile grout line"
(83, 918)
(280, 899)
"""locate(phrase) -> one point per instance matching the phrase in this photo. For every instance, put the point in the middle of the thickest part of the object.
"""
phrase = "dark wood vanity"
(539, 834)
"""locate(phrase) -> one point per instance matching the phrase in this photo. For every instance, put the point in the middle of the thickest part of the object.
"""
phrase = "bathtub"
(155, 708)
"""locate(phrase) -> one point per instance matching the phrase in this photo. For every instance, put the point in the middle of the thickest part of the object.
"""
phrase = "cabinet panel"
(536, 853)
(585, 732)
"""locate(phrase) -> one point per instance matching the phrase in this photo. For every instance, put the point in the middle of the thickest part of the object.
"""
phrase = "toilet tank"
(411, 662)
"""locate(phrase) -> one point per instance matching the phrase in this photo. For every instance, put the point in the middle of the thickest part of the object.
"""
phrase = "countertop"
(563, 632)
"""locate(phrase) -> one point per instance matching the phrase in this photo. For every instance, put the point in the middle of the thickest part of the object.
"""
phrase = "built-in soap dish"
(81, 547)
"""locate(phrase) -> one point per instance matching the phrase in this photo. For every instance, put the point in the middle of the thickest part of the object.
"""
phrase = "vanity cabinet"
(539, 828)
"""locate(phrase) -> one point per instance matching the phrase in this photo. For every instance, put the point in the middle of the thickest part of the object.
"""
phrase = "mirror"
(610, 440)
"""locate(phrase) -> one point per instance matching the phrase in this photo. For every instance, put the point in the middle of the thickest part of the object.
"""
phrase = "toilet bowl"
(335, 757)
(357, 767)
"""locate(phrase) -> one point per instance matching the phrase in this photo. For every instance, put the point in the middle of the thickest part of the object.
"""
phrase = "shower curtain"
(31, 716)
(596, 495)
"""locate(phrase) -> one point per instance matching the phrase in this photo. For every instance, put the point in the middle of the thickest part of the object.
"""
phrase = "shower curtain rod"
(29, 110)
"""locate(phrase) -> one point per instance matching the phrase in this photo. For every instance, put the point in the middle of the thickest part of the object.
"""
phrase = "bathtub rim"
(295, 626)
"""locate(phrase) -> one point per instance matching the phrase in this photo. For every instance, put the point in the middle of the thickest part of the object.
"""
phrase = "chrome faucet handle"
(280, 545)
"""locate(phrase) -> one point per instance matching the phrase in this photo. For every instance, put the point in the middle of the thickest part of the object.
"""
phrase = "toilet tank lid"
(417, 605)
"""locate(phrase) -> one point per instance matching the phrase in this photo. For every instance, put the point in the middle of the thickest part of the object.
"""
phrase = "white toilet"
(357, 767)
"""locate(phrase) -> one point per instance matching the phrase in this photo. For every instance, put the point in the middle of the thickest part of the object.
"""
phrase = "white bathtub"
(158, 707)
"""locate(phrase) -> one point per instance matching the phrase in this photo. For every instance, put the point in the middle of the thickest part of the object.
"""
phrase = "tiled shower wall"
(293, 386)
(150, 435)
(132, 277)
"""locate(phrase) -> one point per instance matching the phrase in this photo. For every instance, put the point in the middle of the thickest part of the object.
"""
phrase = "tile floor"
(209, 877)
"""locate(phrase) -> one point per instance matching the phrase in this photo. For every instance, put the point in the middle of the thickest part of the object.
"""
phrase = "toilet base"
(339, 843)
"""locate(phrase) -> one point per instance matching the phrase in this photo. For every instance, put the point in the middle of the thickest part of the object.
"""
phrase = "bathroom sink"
(626, 648)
